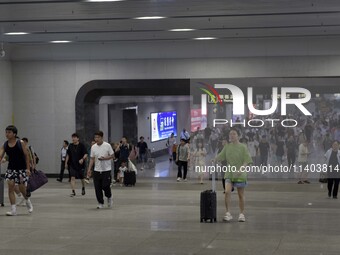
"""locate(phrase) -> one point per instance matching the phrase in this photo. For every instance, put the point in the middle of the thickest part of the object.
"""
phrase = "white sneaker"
(29, 205)
(241, 218)
(179, 179)
(227, 217)
(109, 202)
(22, 200)
(100, 206)
(87, 180)
(185, 180)
(11, 213)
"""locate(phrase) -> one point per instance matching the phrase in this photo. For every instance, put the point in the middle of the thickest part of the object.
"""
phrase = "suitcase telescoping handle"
(213, 181)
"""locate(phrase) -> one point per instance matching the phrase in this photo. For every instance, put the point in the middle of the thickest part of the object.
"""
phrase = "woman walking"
(237, 156)
(333, 162)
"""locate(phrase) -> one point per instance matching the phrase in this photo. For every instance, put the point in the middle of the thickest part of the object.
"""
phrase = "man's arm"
(27, 157)
(2, 152)
(89, 172)
(82, 160)
(66, 161)
(34, 163)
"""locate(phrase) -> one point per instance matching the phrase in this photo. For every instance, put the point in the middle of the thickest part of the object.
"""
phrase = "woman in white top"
(200, 154)
(252, 148)
(302, 162)
(170, 144)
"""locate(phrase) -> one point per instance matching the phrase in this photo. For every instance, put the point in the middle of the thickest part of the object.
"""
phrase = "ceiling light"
(150, 17)
(60, 41)
(181, 29)
(205, 38)
(16, 33)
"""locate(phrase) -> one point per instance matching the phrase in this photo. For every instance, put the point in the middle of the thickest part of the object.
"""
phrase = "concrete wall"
(6, 97)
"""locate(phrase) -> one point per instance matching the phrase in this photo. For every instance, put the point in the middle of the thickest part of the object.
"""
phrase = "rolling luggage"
(150, 164)
(208, 203)
(129, 178)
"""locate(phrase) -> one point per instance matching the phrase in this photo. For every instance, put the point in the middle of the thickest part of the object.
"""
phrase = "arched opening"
(87, 99)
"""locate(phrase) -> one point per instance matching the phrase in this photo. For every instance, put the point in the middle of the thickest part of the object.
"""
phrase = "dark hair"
(99, 133)
(198, 141)
(75, 135)
(236, 130)
(13, 129)
(141, 137)
(25, 139)
(65, 141)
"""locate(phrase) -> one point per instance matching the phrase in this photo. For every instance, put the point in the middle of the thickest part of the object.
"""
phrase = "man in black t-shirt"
(142, 148)
(75, 161)
(264, 151)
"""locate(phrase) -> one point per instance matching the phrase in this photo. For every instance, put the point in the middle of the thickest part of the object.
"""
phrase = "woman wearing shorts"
(237, 156)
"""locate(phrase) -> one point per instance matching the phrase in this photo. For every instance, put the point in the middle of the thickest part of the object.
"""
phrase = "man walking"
(142, 148)
(75, 160)
(101, 156)
(63, 154)
(18, 168)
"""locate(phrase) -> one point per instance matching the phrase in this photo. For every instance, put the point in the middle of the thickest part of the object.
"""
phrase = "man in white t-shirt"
(101, 156)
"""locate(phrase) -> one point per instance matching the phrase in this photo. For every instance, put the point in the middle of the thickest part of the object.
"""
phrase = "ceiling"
(142, 99)
(86, 22)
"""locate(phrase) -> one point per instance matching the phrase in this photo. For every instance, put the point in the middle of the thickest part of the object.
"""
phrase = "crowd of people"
(314, 140)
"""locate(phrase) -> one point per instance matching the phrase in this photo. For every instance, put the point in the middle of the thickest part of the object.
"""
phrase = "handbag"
(131, 166)
(37, 179)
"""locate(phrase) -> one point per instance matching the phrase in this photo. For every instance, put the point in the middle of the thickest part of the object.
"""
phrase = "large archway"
(88, 97)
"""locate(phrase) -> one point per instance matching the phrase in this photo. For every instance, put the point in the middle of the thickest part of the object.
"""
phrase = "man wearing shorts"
(18, 168)
(75, 161)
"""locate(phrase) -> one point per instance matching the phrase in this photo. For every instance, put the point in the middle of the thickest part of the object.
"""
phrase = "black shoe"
(73, 194)
(59, 180)
(83, 191)
(335, 197)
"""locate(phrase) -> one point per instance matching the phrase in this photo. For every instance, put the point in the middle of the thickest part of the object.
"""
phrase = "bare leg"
(16, 190)
(83, 182)
(240, 192)
(73, 183)
(22, 188)
(11, 193)
(227, 197)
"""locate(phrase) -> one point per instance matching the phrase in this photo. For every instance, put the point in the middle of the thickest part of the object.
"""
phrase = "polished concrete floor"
(161, 216)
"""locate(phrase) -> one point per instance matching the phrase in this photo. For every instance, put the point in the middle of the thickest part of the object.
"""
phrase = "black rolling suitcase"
(129, 178)
(208, 203)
